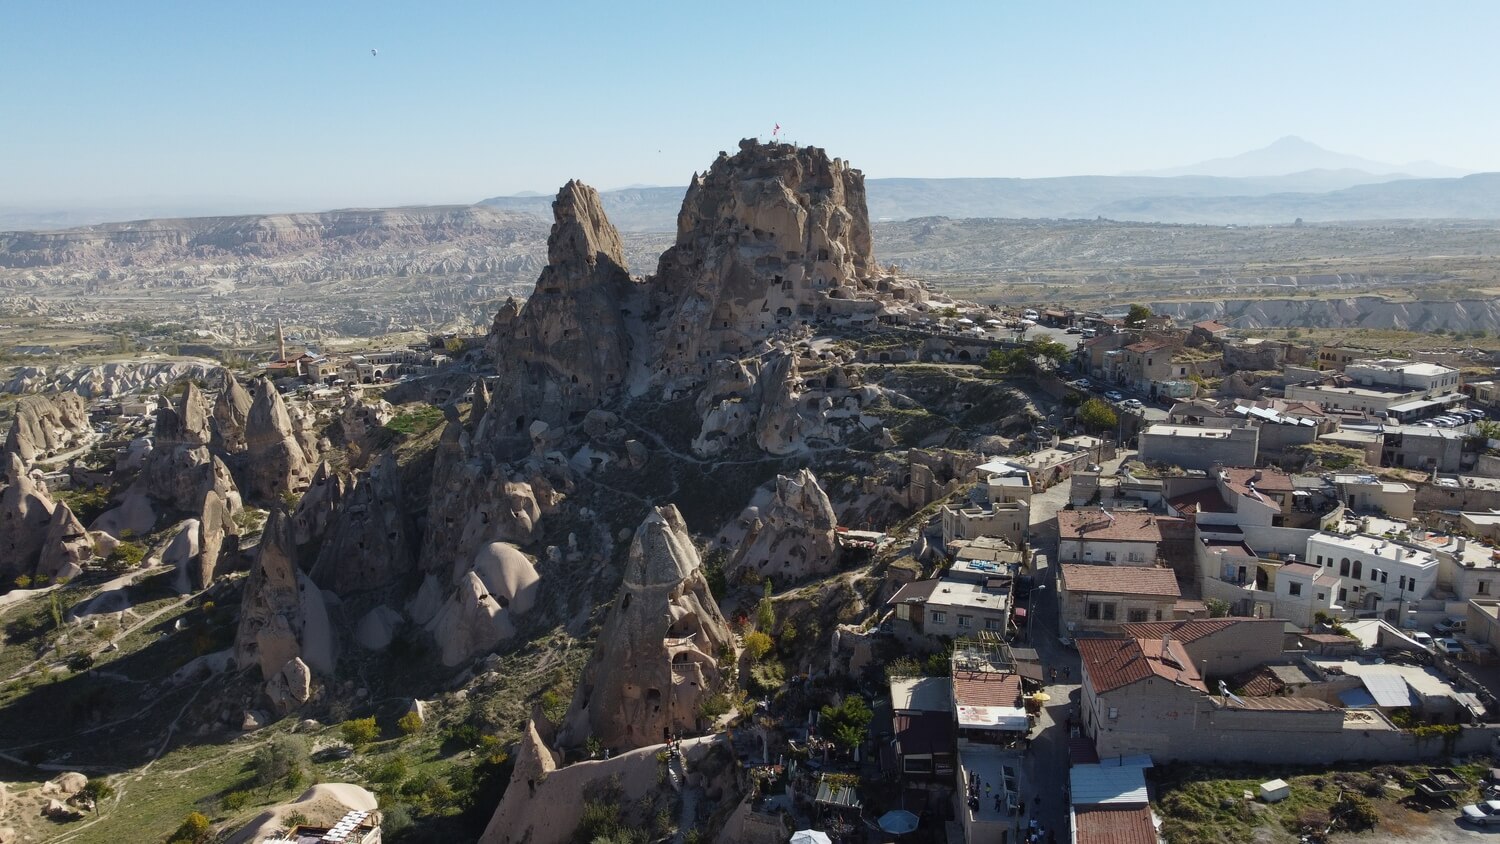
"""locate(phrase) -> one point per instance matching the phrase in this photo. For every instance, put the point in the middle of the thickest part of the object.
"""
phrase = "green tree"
(1048, 350)
(1137, 316)
(1097, 415)
(848, 723)
(279, 759)
(126, 556)
(1488, 428)
(757, 645)
(360, 731)
(195, 828)
(410, 723)
(1217, 607)
(98, 790)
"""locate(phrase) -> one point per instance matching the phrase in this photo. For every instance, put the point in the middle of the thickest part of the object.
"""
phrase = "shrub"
(294, 820)
(767, 678)
(410, 723)
(195, 828)
(360, 731)
(757, 645)
(280, 759)
(715, 706)
(848, 723)
(1354, 812)
(126, 556)
(554, 706)
(234, 801)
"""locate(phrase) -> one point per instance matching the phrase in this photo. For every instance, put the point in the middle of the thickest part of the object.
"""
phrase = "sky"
(282, 104)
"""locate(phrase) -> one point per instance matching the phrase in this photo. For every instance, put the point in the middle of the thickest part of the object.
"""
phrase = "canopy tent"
(898, 822)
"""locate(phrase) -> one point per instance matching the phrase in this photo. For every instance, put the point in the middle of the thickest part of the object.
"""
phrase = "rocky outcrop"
(656, 658)
(275, 462)
(67, 546)
(48, 425)
(319, 505)
(104, 380)
(1374, 312)
(569, 348)
(37, 536)
(773, 237)
(282, 615)
(500, 586)
(370, 545)
(231, 415)
(788, 534)
(789, 408)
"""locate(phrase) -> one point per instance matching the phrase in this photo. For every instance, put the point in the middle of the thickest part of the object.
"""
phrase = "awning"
(1020, 612)
(1008, 718)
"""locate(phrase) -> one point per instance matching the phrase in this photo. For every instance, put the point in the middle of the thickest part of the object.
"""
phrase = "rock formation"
(370, 544)
(568, 349)
(791, 534)
(500, 587)
(231, 415)
(282, 615)
(319, 506)
(37, 536)
(275, 462)
(657, 657)
(46, 425)
(772, 237)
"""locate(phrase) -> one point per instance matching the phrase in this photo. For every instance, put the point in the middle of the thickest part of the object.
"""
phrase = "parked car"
(1133, 404)
(1450, 625)
(1451, 647)
(1083, 383)
(1089, 332)
(1073, 329)
(1424, 639)
(1482, 814)
(1114, 395)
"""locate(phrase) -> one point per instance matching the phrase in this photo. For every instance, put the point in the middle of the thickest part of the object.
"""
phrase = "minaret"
(280, 341)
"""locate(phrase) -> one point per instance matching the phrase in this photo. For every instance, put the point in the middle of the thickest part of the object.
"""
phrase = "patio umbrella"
(1043, 696)
(810, 836)
(898, 822)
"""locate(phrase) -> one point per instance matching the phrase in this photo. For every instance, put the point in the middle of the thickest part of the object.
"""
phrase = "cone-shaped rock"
(274, 459)
(657, 657)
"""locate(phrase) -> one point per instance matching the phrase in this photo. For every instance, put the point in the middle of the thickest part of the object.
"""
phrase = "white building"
(1404, 374)
(1376, 573)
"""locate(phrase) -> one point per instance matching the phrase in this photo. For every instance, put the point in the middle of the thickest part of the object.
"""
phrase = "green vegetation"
(283, 760)
(1137, 316)
(410, 723)
(195, 828)
(848, 724)
(1217, 607)
(757, 645)
(126, 556)
(416, 422)
(360, 731)
(1097, 415)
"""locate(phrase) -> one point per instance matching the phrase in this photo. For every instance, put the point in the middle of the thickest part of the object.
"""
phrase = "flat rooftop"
(1376, 546)
(1188, 431)
(958, 593)
(998, 773)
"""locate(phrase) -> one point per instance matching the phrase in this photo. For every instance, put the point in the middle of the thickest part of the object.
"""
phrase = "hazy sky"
(281, 102)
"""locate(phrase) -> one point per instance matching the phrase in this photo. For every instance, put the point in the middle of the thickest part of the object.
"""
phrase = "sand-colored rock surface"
(323, 804)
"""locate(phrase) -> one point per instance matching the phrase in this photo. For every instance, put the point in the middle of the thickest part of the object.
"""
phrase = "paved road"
(1047, 761)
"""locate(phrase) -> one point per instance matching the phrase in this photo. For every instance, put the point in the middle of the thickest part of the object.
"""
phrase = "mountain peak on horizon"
(1290, 154)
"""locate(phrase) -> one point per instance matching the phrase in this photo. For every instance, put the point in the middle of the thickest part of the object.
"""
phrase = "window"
(1135, 557)
(1294, 589)
(1109, 612)
(1093, 611)
(1343, 595)
(1137, 616)
(1385, 577)
(965, 621)
(1344, 567)
(1158, 615)
(1484, 587)
(1114, 713)
(1109, 556)
(918, 766)
(1322, 596)
(1358, 570)
(1320, 559)
(992, 624)
(1401, 583)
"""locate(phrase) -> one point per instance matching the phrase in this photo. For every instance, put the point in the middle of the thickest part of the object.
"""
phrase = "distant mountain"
(1322, 195)
(1292, 154)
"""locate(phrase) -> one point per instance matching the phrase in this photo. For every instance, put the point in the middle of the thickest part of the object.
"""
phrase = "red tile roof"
(1211, 326)
(1239, 480)
(1146, 346)
(1110, 664)
(1203, 501)
(1120, 580)
(1097, 525)
(1257, 682)
(1185, 631)
(1114, 825)
(986, 688)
